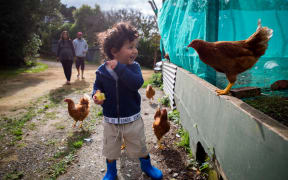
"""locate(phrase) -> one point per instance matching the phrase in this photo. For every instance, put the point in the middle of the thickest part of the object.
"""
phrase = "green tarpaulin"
(181, 21)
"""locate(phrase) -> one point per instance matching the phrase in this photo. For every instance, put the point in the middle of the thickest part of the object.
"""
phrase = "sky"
(141, 5)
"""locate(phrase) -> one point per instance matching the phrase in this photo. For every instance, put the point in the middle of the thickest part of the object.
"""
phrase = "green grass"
(10, 72)
(17, 132)
(185, 141)
(38, 68)
(51, 142)
(14, 127)
(20, 145)
(32, 126)
(60, 168)
(100, 113)
(13, 175)
(59, 125)
(78, 144)
(46, 107)
(50, 115)
(56, 96)
(59, 154)
(75, 141)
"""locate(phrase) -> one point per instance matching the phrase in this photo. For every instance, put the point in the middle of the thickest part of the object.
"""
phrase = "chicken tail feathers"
(258, 41)
(264, 30)
(85, 99)
(86, 96)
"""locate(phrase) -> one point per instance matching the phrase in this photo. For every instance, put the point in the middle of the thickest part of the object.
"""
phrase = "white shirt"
(80, 46)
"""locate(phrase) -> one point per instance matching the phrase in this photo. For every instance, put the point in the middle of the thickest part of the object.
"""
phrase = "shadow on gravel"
(57, 95)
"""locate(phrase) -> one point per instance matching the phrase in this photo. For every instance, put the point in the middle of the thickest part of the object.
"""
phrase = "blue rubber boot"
(150, 170)
(111, 173)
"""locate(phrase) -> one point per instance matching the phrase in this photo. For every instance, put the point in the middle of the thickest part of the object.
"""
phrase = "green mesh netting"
(181, 21)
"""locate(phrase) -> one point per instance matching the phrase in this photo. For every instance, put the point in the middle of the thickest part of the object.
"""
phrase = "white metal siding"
(169, 78)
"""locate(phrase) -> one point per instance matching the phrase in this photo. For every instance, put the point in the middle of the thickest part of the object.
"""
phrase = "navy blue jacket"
(122, 97)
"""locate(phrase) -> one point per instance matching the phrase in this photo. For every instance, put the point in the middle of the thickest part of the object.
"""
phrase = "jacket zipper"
(117, 99)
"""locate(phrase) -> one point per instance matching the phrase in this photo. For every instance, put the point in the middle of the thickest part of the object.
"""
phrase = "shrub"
(156, 80)
(32, 47)
(165, 101)
(174, 116)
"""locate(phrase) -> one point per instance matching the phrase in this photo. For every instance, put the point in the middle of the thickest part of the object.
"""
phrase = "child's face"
(128, 53)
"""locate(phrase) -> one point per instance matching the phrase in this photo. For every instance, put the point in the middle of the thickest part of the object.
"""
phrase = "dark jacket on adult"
(65, 50)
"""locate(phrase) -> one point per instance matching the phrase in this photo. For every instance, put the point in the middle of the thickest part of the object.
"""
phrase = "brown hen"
(79, 111)
(161, 125)
(233, 57)
(150, 92)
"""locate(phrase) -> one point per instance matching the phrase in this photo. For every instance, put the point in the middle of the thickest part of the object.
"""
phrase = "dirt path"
(91, 164)
(18, 91)
(46, 150)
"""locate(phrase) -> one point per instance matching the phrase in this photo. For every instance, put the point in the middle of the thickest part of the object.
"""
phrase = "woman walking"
(65, 54)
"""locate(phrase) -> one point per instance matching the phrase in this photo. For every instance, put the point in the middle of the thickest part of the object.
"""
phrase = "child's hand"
(112, 64)
(97, 99)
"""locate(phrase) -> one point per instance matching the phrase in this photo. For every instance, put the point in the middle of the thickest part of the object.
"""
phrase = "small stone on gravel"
(88, 139)
(175, 175)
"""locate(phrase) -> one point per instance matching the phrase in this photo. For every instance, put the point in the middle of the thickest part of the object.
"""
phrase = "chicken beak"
(190, 45)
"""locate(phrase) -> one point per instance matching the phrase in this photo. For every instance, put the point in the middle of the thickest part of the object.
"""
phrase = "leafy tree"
(17, 23)
(67, 12)
(49, 21)
(89, 21)
(148, 47)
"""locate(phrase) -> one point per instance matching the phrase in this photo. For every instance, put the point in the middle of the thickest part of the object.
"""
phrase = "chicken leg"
(160, 145)
(123, 145)
(81, 124)
(74, 124)
(226, 90)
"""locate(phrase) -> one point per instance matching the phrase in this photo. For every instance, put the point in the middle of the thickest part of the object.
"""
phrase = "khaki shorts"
(133, 135)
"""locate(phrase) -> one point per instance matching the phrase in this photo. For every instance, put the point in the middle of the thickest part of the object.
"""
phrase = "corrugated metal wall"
(247, 144)
(169, 78)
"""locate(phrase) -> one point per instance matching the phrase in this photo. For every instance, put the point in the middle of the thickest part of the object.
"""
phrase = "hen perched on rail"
(233, 57)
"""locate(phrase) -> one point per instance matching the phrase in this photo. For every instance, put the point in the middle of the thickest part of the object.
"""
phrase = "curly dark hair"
(115, 37)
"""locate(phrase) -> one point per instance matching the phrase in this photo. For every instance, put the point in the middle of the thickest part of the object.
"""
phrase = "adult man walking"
(81, 48)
